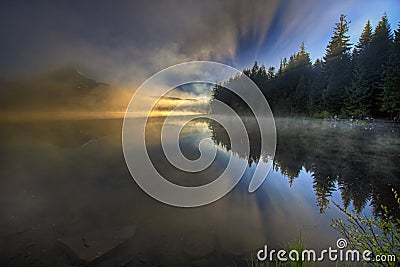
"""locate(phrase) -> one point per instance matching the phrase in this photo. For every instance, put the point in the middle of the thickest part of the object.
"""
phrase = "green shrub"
(380, 235)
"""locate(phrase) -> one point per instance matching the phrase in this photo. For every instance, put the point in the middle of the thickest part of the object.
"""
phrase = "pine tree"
(284, 63)
(271, 72)
(380, 49)
(280, 70)
(255, 68)
(391, 88)
(299, 102)
(364, 41)
(359, 93)
(337, 64)
(318, 83)
(358, 101)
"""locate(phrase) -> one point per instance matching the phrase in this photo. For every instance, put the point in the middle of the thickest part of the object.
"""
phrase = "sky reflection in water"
(66, 190)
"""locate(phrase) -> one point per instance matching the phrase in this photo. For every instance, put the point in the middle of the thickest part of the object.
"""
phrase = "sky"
(125, 42)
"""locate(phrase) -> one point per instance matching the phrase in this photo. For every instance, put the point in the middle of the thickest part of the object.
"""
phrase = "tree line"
(359, 178)
(360, 81)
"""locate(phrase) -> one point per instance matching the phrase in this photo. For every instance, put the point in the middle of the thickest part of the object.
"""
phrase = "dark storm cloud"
(124, 40)
(127, 41)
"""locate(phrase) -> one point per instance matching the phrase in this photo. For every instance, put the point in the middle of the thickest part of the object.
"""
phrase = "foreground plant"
(380, 235)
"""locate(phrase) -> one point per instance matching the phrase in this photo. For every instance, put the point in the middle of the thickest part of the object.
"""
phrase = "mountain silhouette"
(63, 89)
(70, 76)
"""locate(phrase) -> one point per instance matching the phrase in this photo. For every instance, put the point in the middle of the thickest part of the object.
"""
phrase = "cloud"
(125, 42)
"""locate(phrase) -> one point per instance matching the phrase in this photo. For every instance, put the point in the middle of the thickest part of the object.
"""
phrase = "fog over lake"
(68, 197)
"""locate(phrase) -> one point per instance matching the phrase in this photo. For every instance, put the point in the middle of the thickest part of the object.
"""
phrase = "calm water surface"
(68, 198)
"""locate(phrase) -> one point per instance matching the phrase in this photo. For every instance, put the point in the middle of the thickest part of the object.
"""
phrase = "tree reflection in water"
(359, 161)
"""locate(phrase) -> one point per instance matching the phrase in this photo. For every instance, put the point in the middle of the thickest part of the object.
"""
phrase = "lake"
(68, 198)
